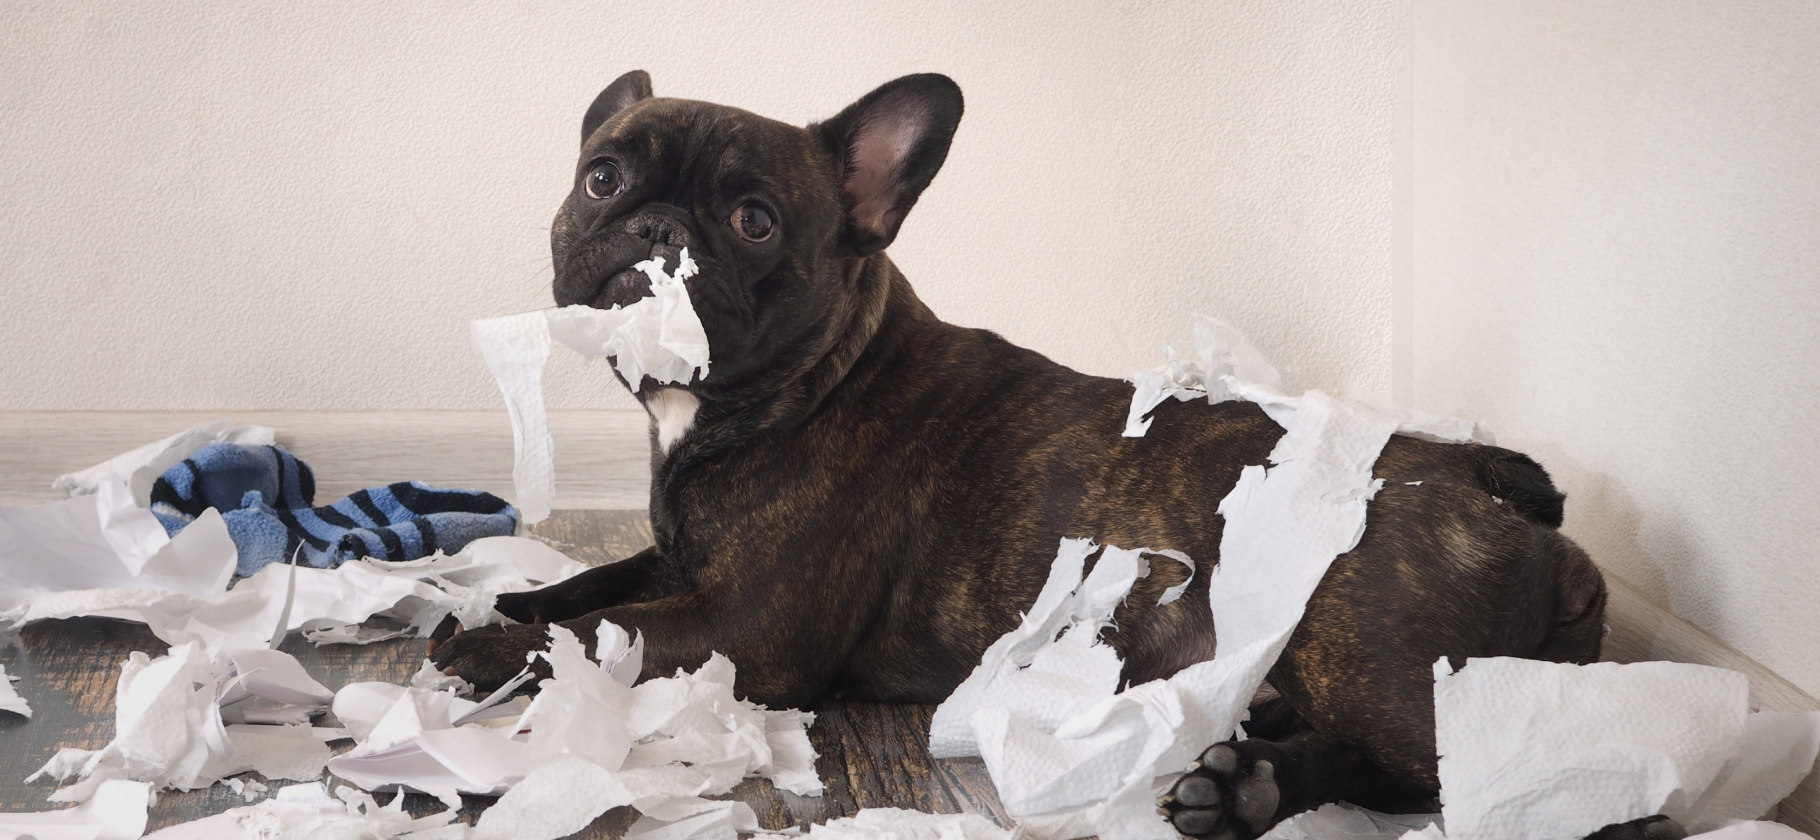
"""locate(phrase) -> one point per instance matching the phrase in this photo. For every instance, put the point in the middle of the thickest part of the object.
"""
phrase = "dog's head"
(774, 215)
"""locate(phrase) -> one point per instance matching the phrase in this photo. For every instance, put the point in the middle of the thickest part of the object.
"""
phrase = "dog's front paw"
(532, 606)
(1227, 795)
(490, 656)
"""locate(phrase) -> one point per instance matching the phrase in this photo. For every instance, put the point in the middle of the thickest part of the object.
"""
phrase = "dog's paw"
(526, 607)
(489, 656)
(1648, 828)
(1229, 794)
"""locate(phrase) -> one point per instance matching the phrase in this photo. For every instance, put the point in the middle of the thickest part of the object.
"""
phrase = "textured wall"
(300, 206)
(1617, 263)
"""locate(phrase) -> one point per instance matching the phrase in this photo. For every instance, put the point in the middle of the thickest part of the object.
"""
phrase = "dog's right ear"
(618, 96)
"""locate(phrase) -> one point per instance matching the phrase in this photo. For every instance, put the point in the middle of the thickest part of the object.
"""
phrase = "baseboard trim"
(602, 458)
(603, 463)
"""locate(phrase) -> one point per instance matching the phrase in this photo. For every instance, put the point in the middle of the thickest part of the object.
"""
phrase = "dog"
(860, 497)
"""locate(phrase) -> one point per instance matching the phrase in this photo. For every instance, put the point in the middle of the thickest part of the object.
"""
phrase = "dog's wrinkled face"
(771, 213)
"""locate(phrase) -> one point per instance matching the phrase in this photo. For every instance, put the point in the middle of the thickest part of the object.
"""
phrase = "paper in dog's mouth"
(655, 336)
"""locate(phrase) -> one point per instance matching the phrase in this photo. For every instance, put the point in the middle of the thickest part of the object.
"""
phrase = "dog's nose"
(660, 229)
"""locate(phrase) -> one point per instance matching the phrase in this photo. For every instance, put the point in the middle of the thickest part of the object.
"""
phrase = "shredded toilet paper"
(589, 741)
(659, 336)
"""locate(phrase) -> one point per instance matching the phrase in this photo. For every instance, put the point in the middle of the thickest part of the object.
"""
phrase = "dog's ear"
(891, 144)
(618, 96)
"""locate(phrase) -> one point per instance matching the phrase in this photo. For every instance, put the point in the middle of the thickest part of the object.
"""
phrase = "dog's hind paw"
(1226, 795)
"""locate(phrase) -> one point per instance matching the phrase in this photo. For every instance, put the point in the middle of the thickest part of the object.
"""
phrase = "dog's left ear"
(618, 96)
(891, 143)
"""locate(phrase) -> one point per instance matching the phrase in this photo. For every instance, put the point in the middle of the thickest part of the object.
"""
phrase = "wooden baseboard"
(602, 457)
(1643, 630)
(603, 463)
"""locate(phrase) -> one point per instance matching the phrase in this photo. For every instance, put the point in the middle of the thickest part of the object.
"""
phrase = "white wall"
(1617, 263)
(300, 206)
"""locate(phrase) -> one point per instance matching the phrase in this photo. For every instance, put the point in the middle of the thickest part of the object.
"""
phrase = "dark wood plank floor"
(871, 754)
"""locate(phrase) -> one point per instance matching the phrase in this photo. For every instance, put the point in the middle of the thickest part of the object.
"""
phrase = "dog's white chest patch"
(674, 411)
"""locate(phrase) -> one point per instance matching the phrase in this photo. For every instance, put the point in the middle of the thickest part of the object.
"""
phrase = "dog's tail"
(1523, 485)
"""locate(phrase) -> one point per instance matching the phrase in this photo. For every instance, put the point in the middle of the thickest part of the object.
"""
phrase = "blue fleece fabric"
(265, 495)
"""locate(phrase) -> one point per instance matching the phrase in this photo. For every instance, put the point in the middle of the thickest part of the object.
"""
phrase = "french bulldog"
(860, 498)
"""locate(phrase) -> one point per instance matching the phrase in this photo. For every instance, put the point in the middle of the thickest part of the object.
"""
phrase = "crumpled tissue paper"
(169, 726)
(103, 540)
(117, 811)
(1540, 750)
(659, 336)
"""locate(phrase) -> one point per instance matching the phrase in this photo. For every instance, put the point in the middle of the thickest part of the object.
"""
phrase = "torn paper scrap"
(247, 614)
(719, 820)
(103, 540)
(554, 800)
(141, 467)
(1222, 355)
(167, 729)
(260, 685)
(515, 349)
(1540, 750)
(899, 824)
(10, 701)
(414, 745)
(272, 751)
(472, 579)
(117, 811)
(659, 336)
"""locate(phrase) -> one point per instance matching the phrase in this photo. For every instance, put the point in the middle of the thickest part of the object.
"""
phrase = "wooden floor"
(871, 755)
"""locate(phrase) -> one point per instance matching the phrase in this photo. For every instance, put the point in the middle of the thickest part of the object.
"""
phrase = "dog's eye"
(753, 222)
(604, 180)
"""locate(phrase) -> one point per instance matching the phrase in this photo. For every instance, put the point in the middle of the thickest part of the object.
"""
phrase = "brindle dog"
(859, 497)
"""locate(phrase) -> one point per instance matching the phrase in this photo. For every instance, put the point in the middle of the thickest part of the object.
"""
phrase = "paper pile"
(170, 723)
(588, 742)
(658, 336)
